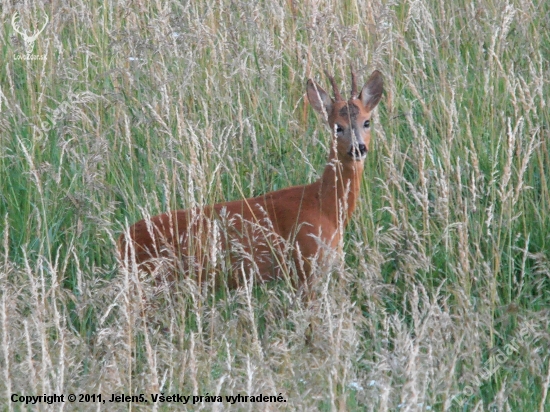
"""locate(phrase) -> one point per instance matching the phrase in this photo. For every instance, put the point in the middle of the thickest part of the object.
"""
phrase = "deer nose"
(358, 151)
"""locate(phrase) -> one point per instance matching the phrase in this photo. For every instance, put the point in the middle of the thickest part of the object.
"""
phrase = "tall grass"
(141, 107)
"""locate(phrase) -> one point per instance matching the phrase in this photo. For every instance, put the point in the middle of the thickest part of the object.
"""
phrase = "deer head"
(349, 120)
(29, 40)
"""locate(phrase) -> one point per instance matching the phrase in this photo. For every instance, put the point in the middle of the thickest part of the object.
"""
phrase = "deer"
(255, 233)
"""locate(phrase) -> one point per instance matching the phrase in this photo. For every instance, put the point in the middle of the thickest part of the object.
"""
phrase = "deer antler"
(35, 35)
(16, 26)
(353, 82)
(337, 94)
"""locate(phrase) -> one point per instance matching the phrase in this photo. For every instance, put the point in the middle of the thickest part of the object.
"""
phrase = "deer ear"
(372, 90)
(318, 98)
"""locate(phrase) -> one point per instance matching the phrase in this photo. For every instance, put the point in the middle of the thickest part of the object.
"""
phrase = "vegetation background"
(442, 302)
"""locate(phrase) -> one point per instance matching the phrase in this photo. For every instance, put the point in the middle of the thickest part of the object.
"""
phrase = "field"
(126, 109)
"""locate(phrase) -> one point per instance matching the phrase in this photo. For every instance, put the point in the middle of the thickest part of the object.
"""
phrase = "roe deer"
(255, 233)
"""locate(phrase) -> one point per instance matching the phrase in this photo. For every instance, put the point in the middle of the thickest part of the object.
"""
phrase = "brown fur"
(255, 233)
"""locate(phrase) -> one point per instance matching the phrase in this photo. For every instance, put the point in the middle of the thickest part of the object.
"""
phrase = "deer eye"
(366, 124)
(339, 129)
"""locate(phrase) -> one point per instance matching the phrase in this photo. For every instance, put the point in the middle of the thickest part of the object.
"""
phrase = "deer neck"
(339, 188)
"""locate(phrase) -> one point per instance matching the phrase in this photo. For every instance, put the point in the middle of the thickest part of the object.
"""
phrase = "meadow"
(127, 109)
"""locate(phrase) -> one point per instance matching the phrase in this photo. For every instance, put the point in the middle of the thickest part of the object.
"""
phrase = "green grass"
(147, 106)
